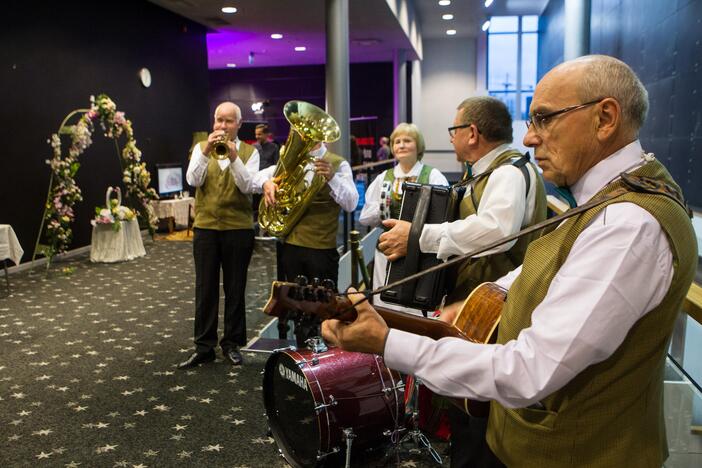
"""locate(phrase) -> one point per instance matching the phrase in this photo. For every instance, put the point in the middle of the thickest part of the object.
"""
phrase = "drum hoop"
(324, 432)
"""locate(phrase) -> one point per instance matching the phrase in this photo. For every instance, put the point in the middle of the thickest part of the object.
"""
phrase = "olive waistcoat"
(475, 271)
(219, 204)
(317, 228)
(611, 414)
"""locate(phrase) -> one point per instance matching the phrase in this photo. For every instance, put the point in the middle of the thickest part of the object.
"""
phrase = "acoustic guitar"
(476, 321)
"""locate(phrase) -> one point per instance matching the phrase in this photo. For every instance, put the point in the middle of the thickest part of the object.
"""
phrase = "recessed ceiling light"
(486, 25)
(228, 9)
(447, 16)
(231, 65)
(444, 2)
(300, 48)
(450, 32)
(488, 3)
(276, 36)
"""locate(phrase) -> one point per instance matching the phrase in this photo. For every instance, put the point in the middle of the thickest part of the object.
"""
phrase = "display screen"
(170, 180)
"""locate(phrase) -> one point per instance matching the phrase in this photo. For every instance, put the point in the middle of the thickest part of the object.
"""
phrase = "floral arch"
(63, 192)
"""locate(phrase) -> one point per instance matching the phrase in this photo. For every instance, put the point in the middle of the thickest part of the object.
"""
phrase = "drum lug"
(332, 402)
(288, 348)
(348, 436)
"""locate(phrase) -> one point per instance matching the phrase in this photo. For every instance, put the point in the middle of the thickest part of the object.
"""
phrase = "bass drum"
(318, 404)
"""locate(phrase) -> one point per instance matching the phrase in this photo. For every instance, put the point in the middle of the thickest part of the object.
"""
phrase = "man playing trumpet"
(222, 170)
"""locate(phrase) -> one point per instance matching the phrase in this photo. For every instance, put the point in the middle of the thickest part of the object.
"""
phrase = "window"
(511, 71)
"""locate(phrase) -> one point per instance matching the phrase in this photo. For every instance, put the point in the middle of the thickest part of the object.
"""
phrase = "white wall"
(448, 76)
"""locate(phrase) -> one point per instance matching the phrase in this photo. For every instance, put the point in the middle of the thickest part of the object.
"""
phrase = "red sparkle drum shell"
(311, 398)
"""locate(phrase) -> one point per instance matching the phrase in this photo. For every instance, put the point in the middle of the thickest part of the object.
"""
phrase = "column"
(337, 71)
(399, 86)
(576, 18)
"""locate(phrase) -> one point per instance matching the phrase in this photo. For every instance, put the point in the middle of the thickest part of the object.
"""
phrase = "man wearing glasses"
(504, 194)
(576, 375)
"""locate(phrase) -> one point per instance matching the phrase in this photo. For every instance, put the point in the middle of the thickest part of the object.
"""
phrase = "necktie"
(566, 194)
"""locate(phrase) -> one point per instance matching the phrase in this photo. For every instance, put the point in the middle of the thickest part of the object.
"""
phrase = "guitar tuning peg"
(329, 284)
(301, 280)
(315, 282)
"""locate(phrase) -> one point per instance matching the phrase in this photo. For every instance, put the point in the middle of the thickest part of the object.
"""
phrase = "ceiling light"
(450, 32)
(447, 16)
(231, 65)
(276, 36)
(488, 3)
(486, 25)
(300, 49)
(444, 2)
(228, 9)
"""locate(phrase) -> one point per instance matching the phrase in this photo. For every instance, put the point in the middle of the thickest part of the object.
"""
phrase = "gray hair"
(607, 76)
(237, 110)
(490, 115)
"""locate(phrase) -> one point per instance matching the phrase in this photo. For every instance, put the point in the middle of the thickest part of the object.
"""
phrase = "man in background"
(268, 149)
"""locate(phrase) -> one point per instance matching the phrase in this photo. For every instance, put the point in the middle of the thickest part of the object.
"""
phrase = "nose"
(531, 139)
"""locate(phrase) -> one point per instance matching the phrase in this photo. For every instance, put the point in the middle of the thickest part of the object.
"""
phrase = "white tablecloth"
(9, 245)
(108, 245)
(178, 209)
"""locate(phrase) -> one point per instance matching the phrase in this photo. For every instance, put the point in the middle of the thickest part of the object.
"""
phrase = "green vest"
(318, 226)
(611, 414)
(395, 199)
(219, 204)
(475, 271)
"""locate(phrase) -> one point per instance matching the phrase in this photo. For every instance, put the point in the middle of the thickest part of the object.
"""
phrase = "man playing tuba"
(310, 247)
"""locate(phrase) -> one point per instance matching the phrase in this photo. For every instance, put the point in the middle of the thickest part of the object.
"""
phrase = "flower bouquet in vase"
(113, 213)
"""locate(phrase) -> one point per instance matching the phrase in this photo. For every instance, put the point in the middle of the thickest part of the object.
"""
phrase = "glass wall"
(512, 53)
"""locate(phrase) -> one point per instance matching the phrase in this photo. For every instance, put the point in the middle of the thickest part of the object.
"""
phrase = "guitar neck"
(434, 329)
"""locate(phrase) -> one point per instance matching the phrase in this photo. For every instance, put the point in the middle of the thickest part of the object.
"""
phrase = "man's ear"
(609, 118)
(473, 140)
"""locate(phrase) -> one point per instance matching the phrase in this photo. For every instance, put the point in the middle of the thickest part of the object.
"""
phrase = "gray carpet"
(88, 378)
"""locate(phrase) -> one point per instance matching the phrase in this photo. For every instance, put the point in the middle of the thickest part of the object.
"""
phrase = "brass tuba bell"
(309, 125)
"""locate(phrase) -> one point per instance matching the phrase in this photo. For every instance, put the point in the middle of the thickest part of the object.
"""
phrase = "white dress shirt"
(243, 174)
(342, 187)
(503, 211)
(370, 216)
(620, 267)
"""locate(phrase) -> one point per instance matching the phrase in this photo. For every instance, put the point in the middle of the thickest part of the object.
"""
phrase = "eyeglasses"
(452, 130)
(539, 121)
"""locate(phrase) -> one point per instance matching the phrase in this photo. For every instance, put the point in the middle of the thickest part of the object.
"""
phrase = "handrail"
(692, 304)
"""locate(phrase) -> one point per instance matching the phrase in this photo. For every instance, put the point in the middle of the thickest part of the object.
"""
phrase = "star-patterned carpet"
(88, 377)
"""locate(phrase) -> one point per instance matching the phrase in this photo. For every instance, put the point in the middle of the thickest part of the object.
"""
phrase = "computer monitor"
(170, 179)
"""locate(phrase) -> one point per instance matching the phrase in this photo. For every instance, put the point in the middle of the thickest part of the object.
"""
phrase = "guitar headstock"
(292, 300)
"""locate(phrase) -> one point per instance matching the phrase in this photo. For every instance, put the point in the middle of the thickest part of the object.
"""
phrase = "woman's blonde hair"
(411, 130)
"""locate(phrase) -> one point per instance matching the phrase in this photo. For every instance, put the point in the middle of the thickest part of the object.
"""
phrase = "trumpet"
(221, 149)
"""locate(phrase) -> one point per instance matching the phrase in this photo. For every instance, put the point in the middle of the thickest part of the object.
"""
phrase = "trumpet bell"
(309, 125)
(221, 150)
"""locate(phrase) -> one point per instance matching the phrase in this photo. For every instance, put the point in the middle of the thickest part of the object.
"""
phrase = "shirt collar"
(414, 172)
(483, 163)
(598, 176)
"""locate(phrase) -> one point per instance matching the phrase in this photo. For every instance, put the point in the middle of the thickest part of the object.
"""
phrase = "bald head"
(229, 109)
(594, 77)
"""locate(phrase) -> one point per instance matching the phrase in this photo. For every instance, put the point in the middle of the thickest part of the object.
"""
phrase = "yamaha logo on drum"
(292, 376)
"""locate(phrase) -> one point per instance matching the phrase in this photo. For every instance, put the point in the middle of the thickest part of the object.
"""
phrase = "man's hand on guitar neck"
(393, 243)
(366, 334)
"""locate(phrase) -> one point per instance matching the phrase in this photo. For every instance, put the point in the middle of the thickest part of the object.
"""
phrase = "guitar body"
(478, 319)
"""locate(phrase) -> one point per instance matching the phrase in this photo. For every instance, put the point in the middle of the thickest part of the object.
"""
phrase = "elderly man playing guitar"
(576, 374)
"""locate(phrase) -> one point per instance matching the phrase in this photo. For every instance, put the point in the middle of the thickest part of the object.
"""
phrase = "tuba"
(309, 125)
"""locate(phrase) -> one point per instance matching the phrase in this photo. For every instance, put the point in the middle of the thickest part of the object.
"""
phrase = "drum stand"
(414, 435)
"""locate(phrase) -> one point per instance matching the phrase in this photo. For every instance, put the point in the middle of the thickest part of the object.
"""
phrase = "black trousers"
(311, 263)
(228, 251)
(469, 449)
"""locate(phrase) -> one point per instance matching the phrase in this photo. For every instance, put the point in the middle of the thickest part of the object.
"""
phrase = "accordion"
(422, 204)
